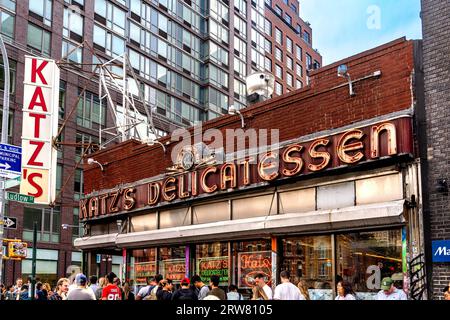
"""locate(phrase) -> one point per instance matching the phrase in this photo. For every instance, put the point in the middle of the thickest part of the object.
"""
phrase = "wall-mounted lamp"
(442, 186)
(233, 111)
(91, 161)
(151, 142)
(342, 72)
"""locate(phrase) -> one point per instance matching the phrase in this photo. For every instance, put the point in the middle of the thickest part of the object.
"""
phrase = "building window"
(46, 266)
(268, 64)
(288, 19)
(73, 25)
(240, 67)
(289, 63)
(294, 8)
(76, 54)
(299, 53)
(309, 65)
(279, 11)
(8, 4)
(108, 41)
(43, 9)
(241, 6)
(78, 184)
(278, 54)
(306, 37)
(240, 26)
(89, 113)
(299, 70)
(115, 17)
(278, 88)
(12, 76)
(268, 46)
(289, 44)
(7, 25)
(298, 84)
(48, 224)
(240, 48)
(62, 98)
(278, 36)
(279, 71)
(268, 27)
(289, 79)
(38, 39)
(10, 124)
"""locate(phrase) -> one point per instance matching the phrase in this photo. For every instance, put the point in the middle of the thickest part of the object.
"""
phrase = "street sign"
(12, 196)
(441, 251)
(10, 223)
(10, 183)
(10, 161)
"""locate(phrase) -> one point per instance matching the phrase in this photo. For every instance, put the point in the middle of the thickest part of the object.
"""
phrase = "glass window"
(12, 76)
(289, 44)
(288, 19)
(89, 113)
(268, 64)
(279, 71)
(278, 11)
(306, 37)
(38, 39)
(279, 36)
(278, 88)
(299, 84)
(8, 4)
(299, 70)
(310, 259)
(7, 25)
(268, 27)
(240, 25)
(298, 53)
(278, 54)
(48, 224)
(212, 259)
(241, 6)
(172, 263)
(309, 65)
(365, 258)
(73, 24)
(76, 54)
(289, 79)
(42, 8)
(289, 63)
(143, 265)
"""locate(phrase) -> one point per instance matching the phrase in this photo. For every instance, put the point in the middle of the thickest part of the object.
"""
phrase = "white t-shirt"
(396, 295)
(287, 291)
(347, 297)
(268, 292)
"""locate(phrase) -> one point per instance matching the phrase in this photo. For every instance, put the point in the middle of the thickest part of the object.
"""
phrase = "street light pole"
(33, 262)
(5, 130)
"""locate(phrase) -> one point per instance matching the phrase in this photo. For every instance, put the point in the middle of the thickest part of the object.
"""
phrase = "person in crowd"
(303, 287)
(40, 293)
(345, 291)
(259, 294)
(62, 287)
(101, 285)
(215, 290)
(18, 286)
(2, 291)
(203, 289)
(389, 291)
(47, 289)
(165, 290)
(119, 285)
(81, 292)
(93, 285)
(23, 293)
(286, 290)
(260, 282)
(146, 291)
(10, 294)
(397, 279)
(233, 293)
(111, 291)
(184, 293)
(152, 296)
(127, 293)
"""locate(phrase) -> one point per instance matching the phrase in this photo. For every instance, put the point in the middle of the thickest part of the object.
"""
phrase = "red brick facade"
(318, 107)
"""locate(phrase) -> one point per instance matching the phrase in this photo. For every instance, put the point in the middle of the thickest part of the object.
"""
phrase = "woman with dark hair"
(345, 291)
(303, 289)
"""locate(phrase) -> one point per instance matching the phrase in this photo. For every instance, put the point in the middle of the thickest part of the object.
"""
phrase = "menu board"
(207, 267)
(252, 263)
(174, 269)
(142, 270)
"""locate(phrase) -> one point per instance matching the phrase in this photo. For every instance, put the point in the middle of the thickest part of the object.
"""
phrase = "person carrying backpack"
(185, 293)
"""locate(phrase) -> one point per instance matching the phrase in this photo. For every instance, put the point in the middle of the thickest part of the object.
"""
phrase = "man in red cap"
(185, 293)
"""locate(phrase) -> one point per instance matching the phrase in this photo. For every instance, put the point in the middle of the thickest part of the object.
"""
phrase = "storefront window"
(212, 259)
(365, 258)
(172, 263)
(142, 265)
(310, 259)
(249, 259)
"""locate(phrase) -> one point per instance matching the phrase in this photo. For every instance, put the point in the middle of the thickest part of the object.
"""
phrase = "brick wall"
(305, 111)
(436, 54)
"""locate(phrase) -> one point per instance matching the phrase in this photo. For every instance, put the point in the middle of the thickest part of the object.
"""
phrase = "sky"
(342, 28)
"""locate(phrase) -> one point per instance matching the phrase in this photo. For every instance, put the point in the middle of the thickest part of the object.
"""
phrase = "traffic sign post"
(10, 223)
(10, 161)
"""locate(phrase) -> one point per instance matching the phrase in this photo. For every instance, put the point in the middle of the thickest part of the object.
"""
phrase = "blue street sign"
(10, 161)
(441, 251)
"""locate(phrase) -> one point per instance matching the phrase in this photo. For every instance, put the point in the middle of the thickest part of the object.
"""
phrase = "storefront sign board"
(252, 263)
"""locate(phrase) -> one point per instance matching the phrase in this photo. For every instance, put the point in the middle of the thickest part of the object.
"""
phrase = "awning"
(364, 216)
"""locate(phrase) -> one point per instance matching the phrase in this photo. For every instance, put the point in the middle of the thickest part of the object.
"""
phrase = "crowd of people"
(110, 287)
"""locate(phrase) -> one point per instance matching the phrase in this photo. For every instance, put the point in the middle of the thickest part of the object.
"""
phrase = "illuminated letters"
(153, 193)
(288, 159)
(166, 189)
(129, 200)
(203, 184)
(231, 176)
(343, 147)
(316, 154)
(375, 139)
(267, 169)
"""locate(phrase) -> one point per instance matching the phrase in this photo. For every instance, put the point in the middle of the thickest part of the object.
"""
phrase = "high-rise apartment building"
(191, 56)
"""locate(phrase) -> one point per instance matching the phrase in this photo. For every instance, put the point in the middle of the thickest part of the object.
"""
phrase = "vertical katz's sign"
(40, 126)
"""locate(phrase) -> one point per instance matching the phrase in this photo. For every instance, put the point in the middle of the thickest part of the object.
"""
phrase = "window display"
(212, 259)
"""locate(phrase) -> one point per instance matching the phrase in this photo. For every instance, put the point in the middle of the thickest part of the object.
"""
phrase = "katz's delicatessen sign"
(352, 147)
(40, 126)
